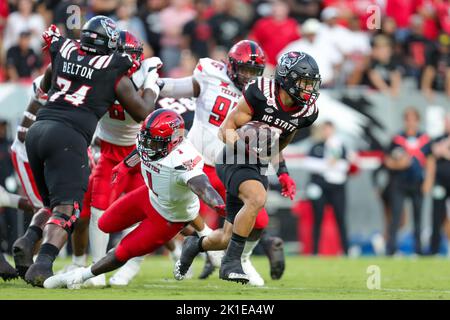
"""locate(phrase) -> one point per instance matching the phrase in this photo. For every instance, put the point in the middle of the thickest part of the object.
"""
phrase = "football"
(259, 137)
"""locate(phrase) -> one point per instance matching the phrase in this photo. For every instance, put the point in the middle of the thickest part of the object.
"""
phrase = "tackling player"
(172, 170)
(85, 82)
(286, 104)
(217, 87)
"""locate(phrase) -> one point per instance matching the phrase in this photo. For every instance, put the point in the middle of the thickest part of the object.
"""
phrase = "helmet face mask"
(246, 72)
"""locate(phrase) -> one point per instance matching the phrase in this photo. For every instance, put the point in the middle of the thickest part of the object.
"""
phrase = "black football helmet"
(298, 74)
(99, 35)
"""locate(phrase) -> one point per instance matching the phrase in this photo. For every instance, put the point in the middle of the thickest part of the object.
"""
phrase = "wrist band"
(282, 168)
(21, 129)
(29, 115)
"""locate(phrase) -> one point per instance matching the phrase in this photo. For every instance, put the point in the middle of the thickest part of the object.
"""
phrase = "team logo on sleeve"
(191, 163)
(289, 60)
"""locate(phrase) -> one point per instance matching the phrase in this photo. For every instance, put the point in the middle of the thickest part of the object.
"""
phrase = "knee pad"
(64, 221)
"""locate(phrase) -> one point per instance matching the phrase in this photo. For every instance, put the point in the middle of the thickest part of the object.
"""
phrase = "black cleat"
(189, 251)
(231, 270)
(23, 255)
(38, 273)
(7, 272)
(208, 269)
(273, 248)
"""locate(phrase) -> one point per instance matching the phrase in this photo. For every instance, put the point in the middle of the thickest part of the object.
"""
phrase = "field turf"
(305, 278)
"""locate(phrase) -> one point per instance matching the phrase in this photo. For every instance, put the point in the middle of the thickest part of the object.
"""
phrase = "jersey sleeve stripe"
(107, 61)
(66, 50)
(100, 62)
(64, 46)
(93, 60)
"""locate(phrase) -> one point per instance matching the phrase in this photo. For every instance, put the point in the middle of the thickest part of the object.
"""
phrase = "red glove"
(49, 35)
(136, 65)
(288, 187)
(220, 209)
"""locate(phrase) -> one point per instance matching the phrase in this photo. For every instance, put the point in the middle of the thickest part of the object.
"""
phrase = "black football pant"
(401, 191)
(59, 162)
(334, 195)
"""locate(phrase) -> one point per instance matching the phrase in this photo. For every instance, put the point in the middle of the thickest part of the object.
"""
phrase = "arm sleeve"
(194, 167)
(177, 88)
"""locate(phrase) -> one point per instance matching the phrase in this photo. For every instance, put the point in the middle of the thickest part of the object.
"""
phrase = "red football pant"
(152, 232)
(110, 156)
(211, 217)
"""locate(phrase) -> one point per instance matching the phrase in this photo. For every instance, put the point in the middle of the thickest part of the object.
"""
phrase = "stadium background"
(363, 114)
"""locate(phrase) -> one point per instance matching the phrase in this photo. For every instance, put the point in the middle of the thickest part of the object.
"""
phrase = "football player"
(23, 170)
(285, 104)
(217, 87)
(169, 200)
(85, 82)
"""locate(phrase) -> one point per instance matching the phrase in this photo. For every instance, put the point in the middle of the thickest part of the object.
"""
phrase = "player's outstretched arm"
(138, 108)
(201, 186)
(239, 116)
(121, 172)
(180, 88)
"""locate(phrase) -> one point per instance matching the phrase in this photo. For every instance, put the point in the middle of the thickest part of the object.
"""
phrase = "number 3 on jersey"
(77, 98)
(220, 110)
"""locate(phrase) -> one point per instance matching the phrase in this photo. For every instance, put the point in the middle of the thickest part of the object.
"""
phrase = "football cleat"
(23, 255)
(95, 282)
(208, 269)
(7, 272)
(37, 273)
(189, 251)
(273, 248)
(71, 280)
(231, 270)
(255, 278)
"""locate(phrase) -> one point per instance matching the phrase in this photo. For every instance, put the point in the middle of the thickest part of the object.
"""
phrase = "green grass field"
(305, 278)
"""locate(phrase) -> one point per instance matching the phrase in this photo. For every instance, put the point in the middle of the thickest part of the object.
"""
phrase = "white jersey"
(167, 180)
(218, 96)
(117, 126)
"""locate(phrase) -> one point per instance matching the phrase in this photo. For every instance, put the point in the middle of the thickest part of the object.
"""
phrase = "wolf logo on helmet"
(111, 31)
(289, 60)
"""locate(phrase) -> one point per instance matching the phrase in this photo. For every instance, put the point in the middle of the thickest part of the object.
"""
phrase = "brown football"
(258, 135)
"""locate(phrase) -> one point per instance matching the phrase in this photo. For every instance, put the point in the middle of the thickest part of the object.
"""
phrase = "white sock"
(205, 232)
(248, 249)
(79, 260)
(98, 240)
(87, 273)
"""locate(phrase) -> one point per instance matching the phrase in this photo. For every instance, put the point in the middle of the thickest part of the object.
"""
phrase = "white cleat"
(216, 257)
(95, 282)
(254, 278)
(126, 273)
(70, 280)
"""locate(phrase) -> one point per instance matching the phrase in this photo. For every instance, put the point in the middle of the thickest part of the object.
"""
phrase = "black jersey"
(261, 94)
(185, 107)
(83, 85)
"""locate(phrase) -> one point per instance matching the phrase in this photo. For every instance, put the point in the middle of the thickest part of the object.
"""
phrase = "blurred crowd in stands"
(374, 43)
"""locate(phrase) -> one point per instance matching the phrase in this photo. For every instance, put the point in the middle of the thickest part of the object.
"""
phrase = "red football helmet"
(130, 44)
(246, 60)
(160, 133)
